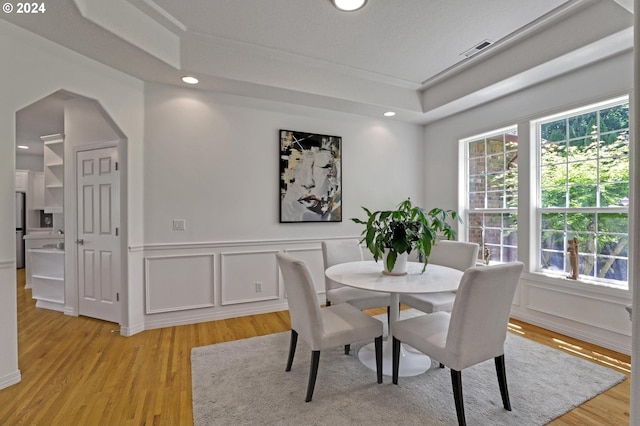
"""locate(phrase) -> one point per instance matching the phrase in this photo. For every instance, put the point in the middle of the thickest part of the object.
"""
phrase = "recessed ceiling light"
(23, 147)
(389, 114)
(349, 5)
(190, 80)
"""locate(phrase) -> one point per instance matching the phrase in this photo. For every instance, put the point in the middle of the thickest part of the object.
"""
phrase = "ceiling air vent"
(477, 48)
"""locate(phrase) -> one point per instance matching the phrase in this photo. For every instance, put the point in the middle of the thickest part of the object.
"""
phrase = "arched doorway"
(84, 170)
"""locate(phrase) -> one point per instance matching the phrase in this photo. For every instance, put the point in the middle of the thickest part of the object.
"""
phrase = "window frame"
(538, 210)
(464, 198)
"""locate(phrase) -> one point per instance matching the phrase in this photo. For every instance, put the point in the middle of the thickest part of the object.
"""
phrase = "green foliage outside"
(584, 166)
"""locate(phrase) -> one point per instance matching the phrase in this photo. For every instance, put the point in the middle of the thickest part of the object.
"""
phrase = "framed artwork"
(310, 177)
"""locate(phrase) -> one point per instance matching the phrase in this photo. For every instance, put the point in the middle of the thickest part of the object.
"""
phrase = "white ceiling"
(384, 56)
(407, 41)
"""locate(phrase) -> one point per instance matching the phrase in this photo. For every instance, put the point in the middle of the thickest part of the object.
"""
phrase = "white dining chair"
(342, 251)
(458, 255)
(324, 328)
(473, 332)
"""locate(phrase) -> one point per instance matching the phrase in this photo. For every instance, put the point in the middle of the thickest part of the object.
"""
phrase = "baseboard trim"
(151, 324)
(10, 379)
(130, 331)
(574, 332)
(47, 304)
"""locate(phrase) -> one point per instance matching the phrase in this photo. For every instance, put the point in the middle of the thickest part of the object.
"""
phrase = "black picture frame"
(310, 177)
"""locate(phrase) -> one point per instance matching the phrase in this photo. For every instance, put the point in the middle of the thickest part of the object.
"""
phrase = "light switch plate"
(179, 224)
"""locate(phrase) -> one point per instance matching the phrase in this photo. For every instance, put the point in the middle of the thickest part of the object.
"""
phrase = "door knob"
(80, 242)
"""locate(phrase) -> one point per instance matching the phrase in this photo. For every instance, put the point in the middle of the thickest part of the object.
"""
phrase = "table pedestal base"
(412, 362)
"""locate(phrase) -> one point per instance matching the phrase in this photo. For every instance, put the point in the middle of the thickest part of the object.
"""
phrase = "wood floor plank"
(76, 371)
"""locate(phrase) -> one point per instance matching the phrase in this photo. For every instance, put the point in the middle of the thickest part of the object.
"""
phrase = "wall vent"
(477, 48)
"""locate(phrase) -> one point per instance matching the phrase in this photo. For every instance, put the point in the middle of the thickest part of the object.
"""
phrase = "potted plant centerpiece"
(392, 235)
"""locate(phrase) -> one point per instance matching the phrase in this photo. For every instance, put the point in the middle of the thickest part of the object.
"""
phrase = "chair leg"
(313, 373)
(347, 348)
(388, 316)
(396, 360)
(502, 381)
(292, 349)
(378, 345)
(456, 382)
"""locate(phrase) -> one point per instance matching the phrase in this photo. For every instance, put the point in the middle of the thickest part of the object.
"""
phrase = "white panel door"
(98, 194)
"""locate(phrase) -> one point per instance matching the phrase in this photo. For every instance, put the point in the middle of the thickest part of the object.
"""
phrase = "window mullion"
(592, 184)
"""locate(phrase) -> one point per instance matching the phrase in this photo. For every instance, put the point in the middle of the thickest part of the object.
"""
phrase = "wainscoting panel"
(313, 259)
(220, 277)
(592, 313)
(249, 276)
(180, 282)
(517, 295)
(586, 310)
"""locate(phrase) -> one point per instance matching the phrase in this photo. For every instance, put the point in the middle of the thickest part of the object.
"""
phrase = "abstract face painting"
(310, 177)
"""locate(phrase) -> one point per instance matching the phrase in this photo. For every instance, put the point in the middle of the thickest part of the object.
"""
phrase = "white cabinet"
(36, 240)
(53, 173)
(47, 278)
(22, 179)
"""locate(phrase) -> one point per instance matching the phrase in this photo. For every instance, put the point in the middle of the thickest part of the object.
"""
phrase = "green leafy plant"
(405, 229)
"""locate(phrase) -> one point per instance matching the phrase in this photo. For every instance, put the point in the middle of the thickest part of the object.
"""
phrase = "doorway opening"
(76, 199)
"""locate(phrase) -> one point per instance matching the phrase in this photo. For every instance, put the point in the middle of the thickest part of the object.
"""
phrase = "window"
(583, 190)
(490, 212)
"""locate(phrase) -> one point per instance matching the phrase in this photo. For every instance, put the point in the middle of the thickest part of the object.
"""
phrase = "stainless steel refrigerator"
(20, 229)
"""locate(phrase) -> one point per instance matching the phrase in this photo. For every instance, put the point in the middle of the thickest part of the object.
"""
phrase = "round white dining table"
(368, 275)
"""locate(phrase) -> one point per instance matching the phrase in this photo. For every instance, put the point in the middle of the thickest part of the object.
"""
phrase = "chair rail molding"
(232, 243)
(7, 263)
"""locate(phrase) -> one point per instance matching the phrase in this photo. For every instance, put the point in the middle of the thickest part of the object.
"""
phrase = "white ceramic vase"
(400, 268)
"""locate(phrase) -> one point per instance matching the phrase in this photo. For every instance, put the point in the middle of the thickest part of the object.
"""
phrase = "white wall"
(581, 311)
(35, 163)
(31, 69)
(212, 159)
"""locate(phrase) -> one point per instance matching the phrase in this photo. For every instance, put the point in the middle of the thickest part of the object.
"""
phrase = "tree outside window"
(584, 190)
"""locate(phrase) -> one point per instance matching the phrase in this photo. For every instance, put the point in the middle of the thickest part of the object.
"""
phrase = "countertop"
(42, 234)
(53, 250)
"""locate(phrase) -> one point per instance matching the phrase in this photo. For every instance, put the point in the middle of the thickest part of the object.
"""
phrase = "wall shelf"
(53, 173)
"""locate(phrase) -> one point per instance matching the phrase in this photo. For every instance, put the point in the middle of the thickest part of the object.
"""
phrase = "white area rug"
(244, 383)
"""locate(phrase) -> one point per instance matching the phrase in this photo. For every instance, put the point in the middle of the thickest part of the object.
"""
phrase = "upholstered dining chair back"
(458, 255)
(335, 252)
(304, 307)
(325, 328)
(480, 315)
(473, 332)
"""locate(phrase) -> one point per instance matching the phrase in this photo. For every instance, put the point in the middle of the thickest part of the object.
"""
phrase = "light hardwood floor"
(80, 371)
